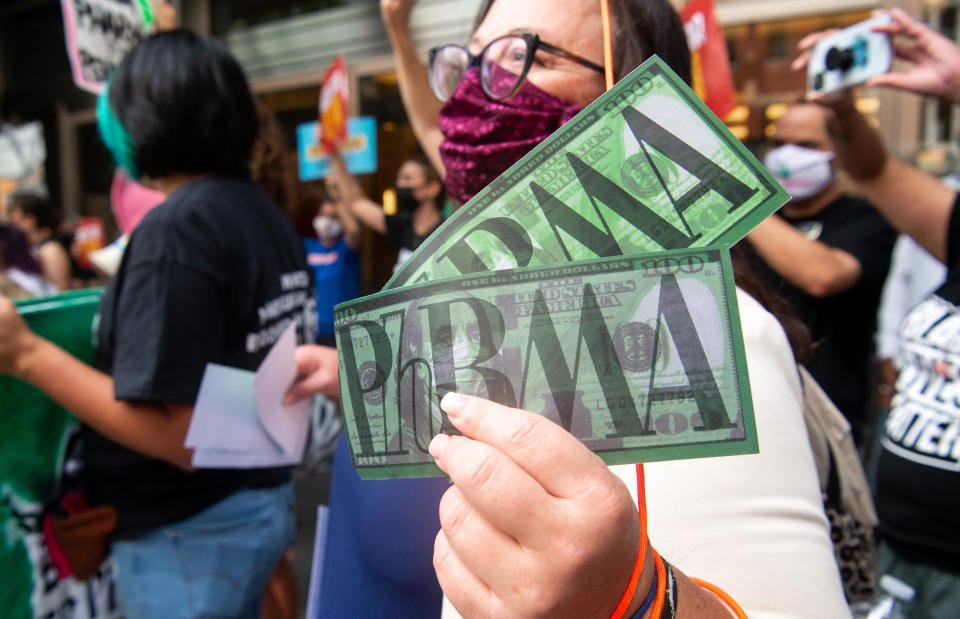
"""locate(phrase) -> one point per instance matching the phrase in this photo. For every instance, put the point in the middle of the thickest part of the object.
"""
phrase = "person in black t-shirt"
(917, 488)
(420, 198)
(828, 254)
(214, 274)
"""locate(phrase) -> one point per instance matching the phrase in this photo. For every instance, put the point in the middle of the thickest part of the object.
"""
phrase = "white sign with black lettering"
(99, 33)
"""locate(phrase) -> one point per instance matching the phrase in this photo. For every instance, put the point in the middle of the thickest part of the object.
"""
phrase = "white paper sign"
(22, 157)
(99, 33)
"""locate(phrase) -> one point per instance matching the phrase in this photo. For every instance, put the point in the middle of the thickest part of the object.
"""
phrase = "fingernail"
(453, 404)
(438, 444)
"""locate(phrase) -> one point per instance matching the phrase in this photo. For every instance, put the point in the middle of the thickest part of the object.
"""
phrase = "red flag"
(709, 62)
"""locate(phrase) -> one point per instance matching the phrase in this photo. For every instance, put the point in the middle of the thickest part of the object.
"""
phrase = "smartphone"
(850, 57)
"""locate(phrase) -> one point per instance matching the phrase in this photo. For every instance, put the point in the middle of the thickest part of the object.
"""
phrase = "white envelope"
(240, 421)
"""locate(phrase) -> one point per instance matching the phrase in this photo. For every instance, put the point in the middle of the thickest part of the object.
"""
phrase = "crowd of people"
(534, 524)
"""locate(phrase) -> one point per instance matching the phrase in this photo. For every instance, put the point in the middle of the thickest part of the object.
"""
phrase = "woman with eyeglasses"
(535, 525)
(532, 75)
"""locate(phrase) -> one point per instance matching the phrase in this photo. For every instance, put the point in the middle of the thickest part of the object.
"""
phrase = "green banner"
(641, 358)
(645, 168)
(33, 444)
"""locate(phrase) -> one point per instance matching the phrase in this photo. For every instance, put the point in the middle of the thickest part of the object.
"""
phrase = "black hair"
(430, 175)
(186, 105)
(43, 211)
(272, 166)
(746, 263)
(641, 28)
(646, 27)
(15, 252)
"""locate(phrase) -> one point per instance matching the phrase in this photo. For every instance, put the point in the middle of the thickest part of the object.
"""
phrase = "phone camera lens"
(818, 81)
(841, 59)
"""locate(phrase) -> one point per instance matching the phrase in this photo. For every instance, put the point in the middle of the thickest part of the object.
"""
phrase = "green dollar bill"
(646, 167)
(640, 357)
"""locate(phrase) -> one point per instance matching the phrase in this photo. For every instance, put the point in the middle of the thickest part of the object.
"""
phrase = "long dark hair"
(641, 28)
(271, 165)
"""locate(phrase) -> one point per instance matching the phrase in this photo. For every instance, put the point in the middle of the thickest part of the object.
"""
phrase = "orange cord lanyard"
(641, 490)
(607, 43)
(641, 487)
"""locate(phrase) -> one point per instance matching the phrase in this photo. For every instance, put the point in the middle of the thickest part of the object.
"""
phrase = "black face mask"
(406, 203)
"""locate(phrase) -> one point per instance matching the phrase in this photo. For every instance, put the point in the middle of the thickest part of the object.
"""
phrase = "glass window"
(238, 14)
(778, 46)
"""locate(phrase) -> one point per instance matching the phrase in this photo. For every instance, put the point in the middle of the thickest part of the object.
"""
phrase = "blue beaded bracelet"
(646, 603)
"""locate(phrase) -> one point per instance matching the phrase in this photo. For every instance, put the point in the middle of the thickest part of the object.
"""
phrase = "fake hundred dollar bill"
(647, 167)
(640, 357)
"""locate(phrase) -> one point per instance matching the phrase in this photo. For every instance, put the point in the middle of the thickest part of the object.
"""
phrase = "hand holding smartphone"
(850, 57)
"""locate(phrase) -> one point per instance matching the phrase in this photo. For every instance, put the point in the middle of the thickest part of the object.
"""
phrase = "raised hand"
(396, 13)
(165, 15)
(934, 59)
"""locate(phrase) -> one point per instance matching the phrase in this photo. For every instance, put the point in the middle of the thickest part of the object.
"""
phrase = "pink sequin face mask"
(483, 137)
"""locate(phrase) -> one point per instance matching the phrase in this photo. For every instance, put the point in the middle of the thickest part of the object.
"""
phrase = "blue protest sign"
(359, 151)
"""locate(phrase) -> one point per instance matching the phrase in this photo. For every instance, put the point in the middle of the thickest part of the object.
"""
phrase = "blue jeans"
(214, 564)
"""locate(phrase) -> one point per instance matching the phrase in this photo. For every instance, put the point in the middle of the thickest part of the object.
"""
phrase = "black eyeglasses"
(503, 63)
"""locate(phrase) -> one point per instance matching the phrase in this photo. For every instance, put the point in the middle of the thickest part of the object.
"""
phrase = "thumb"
(310, 386)
(300, 390)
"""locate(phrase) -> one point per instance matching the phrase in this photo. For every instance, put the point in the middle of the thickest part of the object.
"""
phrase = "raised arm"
(914, 202)
(535, 524)
(422, 107)
(351, 197)
(934, 59)
(351, 227)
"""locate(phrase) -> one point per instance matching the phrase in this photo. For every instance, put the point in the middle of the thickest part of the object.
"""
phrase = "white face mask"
(803, 172)
(327, 227)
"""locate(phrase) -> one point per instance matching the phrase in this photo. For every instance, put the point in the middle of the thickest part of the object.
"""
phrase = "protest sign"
(638, 357)
(709, 59)
(99, 33)
(22, 157)
(34, 447)
(359, 150)
(88, 238)
(334, 94)
(644, 168)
